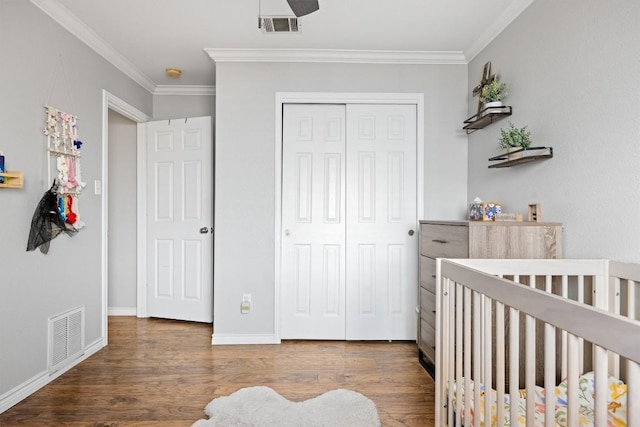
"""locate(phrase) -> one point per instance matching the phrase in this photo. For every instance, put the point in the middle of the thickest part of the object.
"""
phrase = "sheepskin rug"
(264, 407)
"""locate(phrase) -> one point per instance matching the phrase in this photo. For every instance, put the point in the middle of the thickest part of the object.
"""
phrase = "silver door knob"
(411, 232)
(204, 230)
(287, 232)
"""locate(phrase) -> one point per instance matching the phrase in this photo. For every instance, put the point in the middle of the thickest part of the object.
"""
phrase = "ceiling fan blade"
(303, 7)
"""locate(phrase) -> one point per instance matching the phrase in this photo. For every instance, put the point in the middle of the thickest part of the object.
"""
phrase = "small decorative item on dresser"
(484, 211)
(1, 167)
(535, 213)
(509, 217)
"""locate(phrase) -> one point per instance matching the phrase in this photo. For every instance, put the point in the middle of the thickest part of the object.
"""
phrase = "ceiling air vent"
(279, 24)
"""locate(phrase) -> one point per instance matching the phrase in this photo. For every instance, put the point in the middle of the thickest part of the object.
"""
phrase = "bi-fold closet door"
(349, 247)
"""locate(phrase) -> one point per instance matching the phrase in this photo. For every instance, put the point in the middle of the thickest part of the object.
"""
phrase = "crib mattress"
(617, 406)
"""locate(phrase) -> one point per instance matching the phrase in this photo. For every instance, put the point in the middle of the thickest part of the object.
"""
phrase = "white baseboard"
(122, 311)
(27, 388)
(228, 339)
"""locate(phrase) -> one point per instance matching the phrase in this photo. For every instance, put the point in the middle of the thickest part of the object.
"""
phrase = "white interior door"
(179, 243)
(349, 247)
(313, 222)
(382, 243)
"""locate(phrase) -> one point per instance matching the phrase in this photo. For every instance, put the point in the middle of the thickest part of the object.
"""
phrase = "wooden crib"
(568, 326)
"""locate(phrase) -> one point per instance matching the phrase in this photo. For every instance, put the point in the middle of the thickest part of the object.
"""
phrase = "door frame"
(112, 102)
(282, 98)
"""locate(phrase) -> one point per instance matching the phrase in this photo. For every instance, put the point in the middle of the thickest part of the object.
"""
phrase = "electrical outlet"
(245, 307)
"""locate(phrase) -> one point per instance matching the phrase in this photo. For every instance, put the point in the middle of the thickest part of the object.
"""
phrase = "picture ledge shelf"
(485, 117)
(518, 157)
(12, 179)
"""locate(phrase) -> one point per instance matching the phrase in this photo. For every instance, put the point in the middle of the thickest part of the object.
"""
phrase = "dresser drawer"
(428, 307)
(428, 340)
(428, 273)
(444, 241)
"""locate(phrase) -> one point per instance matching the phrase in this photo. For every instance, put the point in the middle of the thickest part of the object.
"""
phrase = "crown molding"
(198, 90)
(71, 23)
(336, 55)
(510, 14)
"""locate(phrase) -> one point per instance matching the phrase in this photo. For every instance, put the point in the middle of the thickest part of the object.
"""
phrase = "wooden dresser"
(470, 239)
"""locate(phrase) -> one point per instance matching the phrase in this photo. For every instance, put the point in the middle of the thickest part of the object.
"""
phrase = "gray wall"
(122, 212)
(176, 106)
(34, 286)
(573, 71)
(245, 168)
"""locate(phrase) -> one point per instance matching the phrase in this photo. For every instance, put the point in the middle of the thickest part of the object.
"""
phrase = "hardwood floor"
(163, 373)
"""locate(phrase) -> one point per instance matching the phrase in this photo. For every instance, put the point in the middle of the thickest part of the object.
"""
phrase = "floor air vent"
(66, 338)
(274, 24)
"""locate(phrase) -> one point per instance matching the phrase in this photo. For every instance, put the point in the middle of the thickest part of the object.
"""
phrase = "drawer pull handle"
(439, 241)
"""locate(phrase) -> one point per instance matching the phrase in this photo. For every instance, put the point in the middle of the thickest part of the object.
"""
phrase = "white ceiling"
(143, 37)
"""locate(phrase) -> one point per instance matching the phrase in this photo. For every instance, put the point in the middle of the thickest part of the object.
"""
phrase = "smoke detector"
(278, 24)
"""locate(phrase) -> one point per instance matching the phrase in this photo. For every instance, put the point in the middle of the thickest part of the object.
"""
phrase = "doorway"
(358, 293)
(121, 196)
(110, 103)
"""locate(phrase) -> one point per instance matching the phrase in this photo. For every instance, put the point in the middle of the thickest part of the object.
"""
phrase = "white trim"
(141, 221)
(281, 98)
(199, 90)
(35, 383)
(122, 311)
(513, 10)
(345, 56)
(75, 26)
(110, 102)
(230, 339)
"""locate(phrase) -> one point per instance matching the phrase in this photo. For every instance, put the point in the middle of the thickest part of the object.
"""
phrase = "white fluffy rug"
(264, 407)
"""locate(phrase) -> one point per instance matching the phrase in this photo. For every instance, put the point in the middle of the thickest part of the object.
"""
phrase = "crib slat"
(514, 363)
(549, 374)
(564, 292)
(477, 355)
(600, 373)
(458, 354)
(631, 299)
(530, 372)
(580, 340)
(487, 374)
(452, 289)
(467, 354)
(500, 362)
(572, 381)
(633, 393)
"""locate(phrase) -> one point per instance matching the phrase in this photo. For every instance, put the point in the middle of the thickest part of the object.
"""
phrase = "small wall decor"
(490, 109)
(58, 211)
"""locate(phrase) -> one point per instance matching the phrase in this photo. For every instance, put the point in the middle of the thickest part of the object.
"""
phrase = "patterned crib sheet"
(617, 405)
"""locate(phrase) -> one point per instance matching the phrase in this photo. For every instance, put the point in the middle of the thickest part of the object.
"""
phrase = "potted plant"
(514, 139)
(493, 93)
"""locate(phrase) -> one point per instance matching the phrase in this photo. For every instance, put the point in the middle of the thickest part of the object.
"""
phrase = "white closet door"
(382, 243)
(349, 247)
(313, 222)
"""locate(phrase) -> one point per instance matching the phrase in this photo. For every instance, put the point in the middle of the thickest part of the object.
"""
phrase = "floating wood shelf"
(12, 179)
(486, 117)
(524, 155)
